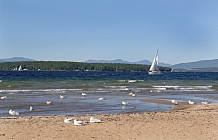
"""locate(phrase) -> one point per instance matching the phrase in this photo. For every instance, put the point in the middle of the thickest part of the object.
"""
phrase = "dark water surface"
(34, 88)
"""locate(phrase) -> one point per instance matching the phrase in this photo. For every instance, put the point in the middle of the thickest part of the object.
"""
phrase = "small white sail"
(154, 69)
(19, 68)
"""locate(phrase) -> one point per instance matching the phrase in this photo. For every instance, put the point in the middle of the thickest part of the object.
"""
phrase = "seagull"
(130, 94)
(13, 113)
(205, 103)
(174, 102)
(133, 95)
(124, 103)
(101, 99)
(31, 108)
(48, 102)
(93, 120)
(68, 120)
(3, 97)
(76, 122)
(62, 96)
(83, 94)
(191, 103)
(158, 91)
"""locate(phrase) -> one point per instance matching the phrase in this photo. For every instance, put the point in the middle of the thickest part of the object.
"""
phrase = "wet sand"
(190, 122)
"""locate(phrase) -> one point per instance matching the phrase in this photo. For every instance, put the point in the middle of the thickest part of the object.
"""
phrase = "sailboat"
(154, 69)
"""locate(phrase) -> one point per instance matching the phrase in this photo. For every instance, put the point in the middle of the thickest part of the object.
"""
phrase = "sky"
(132, 30)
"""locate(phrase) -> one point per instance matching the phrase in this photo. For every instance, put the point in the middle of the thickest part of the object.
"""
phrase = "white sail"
(19, 68)
(154, 69)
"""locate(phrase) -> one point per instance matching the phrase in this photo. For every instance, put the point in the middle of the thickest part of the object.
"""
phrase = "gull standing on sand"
(3, 97)
(68, 120)
(13, 113)
(76, 122)
(191, 102)
(174, 102)
(205, 103)
(94, 120)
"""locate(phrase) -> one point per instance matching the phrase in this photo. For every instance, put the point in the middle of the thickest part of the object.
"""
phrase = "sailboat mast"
(157, 60)
(156, 54)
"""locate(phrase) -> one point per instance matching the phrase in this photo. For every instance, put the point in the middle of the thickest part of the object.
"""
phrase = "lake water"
(34, 88)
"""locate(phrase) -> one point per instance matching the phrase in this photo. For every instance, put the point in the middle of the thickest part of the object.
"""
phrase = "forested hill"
(72, 66)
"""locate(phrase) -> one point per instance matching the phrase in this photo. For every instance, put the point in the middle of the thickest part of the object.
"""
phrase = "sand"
(188, 122)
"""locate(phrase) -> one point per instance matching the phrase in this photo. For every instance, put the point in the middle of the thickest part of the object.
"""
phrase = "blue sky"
(132, 30)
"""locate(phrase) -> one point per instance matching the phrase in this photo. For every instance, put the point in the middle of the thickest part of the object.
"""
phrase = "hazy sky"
(132, 30)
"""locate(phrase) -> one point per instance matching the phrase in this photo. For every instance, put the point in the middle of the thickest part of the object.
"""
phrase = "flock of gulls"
(79, 122)
(66, 120)
(189, 102)
(92, 120)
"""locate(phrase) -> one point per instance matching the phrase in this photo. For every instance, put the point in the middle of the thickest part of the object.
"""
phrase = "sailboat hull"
(154, 72)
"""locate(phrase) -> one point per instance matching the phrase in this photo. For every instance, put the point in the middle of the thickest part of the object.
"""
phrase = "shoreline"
(184, 122)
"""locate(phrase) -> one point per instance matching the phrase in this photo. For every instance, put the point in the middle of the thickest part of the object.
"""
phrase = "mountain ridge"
(197, 64)
(15, 59)
(187, 65)
(144, 62)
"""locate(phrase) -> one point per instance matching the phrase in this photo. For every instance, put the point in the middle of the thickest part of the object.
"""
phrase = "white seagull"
(62, 96)
(93, 120)
(83, 94)
(31, 108)
(76, 122)
(191, 103)
(68, 120)
(205, 103)
(48, 102)
(101, 99)
(13, 113)
(174, 102)
(133, 95)
(3, 97)
(124, 103)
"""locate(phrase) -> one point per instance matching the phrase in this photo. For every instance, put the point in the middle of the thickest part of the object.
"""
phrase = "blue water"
(34, 88)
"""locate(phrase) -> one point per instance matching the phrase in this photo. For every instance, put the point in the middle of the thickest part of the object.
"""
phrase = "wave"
(37, 90)
(164, 88)
(131, 81)
(185, 88)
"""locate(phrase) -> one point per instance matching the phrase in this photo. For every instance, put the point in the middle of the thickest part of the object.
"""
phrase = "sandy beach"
(190, 122)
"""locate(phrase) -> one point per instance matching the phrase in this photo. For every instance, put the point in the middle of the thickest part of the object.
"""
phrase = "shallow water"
(34, 88)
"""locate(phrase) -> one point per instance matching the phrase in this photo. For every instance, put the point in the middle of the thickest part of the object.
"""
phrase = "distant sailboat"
(154, 69)
(20, 68)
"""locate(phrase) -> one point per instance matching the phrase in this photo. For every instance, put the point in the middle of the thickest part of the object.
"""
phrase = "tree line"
(73, 66)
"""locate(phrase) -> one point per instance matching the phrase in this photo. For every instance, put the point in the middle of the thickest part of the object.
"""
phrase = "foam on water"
(37, 90)
(185, 88)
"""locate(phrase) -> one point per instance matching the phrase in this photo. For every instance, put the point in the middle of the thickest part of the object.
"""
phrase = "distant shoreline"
(74, 66)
